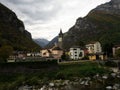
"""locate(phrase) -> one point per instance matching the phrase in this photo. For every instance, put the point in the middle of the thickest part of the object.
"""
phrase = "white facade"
(94, 47)
(76, 53)
(34, 54)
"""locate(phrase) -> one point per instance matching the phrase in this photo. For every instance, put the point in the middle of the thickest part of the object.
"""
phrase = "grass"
(81, 69)
(42, 72)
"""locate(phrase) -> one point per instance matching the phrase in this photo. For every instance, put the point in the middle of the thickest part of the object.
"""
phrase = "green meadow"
(13, 75)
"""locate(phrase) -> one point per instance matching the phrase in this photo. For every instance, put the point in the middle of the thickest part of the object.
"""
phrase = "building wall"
(54, 53)
(114, 50)
(57, 54)
(94, 48)
(90, 48)
(60, 42)
(103, 57)
(97, 47)
(45, 53)
(92, 57)
(75, 53)
(60, 39)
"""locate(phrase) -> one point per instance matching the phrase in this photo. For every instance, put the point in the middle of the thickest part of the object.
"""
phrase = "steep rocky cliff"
(12, 31)
(101, 24)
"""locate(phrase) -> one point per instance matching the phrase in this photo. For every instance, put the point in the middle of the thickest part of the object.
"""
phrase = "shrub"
(110, 64)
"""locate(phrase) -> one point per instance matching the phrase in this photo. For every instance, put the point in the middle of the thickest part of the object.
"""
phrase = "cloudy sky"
(44, 18)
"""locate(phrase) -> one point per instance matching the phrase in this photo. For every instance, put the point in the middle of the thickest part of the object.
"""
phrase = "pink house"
(55, 52)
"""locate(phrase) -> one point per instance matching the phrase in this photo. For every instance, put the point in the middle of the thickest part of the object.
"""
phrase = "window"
(75, 55)
(44, 53)
(81, 54)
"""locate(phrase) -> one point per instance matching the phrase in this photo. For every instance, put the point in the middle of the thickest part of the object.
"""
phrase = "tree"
(5, 52)
(107, 48)
(80, 43)
(64, 56)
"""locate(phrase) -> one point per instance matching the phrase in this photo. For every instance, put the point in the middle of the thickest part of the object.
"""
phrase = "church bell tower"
(60, 39)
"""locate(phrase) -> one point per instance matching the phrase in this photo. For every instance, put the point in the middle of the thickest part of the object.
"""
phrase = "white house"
(76, 53)
(94, 47)
(33, 54)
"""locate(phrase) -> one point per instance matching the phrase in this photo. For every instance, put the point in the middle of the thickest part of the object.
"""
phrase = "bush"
(110, 64)
(85, 58)
(60, 75)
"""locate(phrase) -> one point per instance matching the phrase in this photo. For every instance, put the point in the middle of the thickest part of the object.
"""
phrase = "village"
(91, 51)
(59, 44)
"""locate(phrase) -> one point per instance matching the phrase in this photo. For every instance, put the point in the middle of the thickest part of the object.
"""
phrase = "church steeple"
(60, 34)
(60, 39)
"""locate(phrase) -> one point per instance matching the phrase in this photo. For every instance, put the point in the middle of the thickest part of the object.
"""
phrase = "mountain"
(12, 31)
(41, 42)
(52, 42)
(101, 24)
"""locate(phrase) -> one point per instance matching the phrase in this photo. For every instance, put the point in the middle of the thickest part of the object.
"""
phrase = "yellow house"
(97, 56)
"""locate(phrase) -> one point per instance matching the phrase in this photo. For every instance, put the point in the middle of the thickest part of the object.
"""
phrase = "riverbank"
(14, 75)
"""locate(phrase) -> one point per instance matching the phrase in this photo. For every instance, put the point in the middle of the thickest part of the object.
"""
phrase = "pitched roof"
(81, 47)
(117, 46)
(48, 50)
(93, 42)
(101, 53)
(56, 48)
